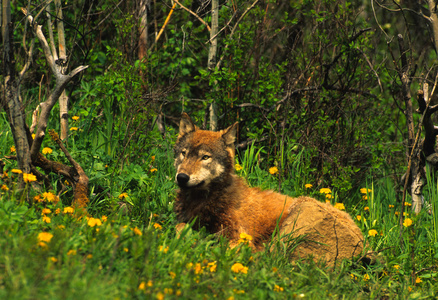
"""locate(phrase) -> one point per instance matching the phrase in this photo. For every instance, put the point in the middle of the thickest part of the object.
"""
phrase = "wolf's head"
(203, 157)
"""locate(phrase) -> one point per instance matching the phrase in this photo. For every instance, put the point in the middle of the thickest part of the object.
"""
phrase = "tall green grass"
(133, 252)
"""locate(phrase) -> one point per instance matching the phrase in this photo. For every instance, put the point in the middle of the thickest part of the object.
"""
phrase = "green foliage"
(135, 253)
(314, 97)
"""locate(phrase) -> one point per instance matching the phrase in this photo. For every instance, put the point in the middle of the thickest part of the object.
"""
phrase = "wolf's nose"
(182, 178)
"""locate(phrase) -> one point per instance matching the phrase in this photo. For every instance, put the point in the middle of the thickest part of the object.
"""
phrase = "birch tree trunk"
(212, 53)
(142, 41)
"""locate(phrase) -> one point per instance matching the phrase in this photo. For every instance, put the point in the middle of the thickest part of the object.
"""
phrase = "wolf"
(212, 196)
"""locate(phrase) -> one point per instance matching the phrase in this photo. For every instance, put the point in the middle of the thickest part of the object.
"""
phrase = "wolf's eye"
(183, 153)
(205, 157)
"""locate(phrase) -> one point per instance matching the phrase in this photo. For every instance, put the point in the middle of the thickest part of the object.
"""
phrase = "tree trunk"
(143, 39)
(62, 65)
(10, 100)
(212, 53)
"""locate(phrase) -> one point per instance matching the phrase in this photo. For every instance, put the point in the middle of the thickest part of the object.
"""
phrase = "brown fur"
(223, 203)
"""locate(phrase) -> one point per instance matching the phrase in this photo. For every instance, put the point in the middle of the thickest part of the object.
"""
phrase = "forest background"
(328, 94)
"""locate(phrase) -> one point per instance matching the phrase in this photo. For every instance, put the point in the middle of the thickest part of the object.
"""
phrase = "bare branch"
(234, 29)
(193, 13)
(61, 82)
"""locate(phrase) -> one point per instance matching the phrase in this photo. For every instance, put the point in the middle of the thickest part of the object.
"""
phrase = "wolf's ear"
(229, 135)
(186, 125)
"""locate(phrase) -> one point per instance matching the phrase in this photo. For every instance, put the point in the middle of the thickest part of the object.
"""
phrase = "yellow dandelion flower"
(162, 249)
(157, 226)
(142, 286)
(358, 217)
(46, 219)
(73, 129)
(409, 289)
(126, 250)
(198, 268)
(212, 266)
(396, 267)
(57, 211)
(33, 136)
(278, 288)
(239, 268)
(245, 238)
(5, 175)
(238, 167)
(68, 210)
(372, 232)
(137, 231)
(149, 284)
(236, 291)
(104, 218)
(72, 252)
(92, 222)
(13, 149)
(273, 170)
(366, 277)
(123, 195)
(407, 222)
(29, 177)
(366, 208)
(365, 191)
(408, 204)
(46, 211)
(50, 197)
(75, 118)
(60, 227)
(153, 158)
(45, 237)
(391, 206)
(47, 150)
(153, 170)
(418, 280)
(43, 245)
(328, 196)
(4, 187)
(364, 197)
(339, 206)
(16, 171)
(54, 259)
(160, 296)
(325, 191)
(172, 274)
(308, 186)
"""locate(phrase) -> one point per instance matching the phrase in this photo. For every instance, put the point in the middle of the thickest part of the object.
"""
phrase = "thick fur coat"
(224, 204)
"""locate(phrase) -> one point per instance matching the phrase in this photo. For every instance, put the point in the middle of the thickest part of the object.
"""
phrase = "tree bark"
(212, 53)
(143, 38)
(11, 101)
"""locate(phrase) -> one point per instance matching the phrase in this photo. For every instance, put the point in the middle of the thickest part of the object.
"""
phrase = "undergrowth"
(127, 248)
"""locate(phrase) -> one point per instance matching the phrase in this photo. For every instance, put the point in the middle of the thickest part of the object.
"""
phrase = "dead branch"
(61, 81)
(81, 183)
(193, 13)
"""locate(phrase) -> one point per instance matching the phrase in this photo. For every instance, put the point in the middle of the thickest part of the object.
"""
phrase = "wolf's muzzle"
(182, 179)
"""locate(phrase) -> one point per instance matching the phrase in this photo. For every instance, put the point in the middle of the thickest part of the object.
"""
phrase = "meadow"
(125, 246)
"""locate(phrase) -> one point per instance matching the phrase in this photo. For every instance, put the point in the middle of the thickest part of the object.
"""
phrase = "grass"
(134, 253)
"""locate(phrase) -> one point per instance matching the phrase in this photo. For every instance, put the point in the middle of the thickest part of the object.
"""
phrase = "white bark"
(212, 58)
(61, 82)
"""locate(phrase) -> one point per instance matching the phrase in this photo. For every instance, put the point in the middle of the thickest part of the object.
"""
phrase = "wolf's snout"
(182, 178)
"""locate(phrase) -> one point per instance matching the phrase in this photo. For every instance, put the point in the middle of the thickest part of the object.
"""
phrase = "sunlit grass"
(126, 247)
